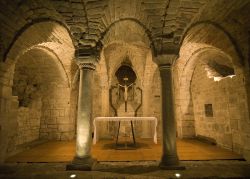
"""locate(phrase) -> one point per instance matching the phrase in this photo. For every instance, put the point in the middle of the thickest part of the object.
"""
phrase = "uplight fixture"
(72, 176)
(178, 175)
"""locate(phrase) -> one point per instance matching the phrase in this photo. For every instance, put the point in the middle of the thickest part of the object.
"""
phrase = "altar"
(119, 119)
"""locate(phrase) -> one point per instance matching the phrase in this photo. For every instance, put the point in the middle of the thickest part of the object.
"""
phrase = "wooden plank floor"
(188, 149)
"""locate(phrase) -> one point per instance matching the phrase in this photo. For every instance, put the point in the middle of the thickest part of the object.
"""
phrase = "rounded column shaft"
(83, 159)
(169, 156)
(84, 133)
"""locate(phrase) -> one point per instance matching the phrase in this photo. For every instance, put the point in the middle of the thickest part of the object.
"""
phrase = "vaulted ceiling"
(90, 22)
(164, 21)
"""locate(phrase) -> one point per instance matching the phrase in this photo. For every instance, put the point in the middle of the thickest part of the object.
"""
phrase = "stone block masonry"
(228, 109)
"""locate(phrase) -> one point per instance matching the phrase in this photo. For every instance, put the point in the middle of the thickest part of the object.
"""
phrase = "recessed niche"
(208, 110)
(123, 72)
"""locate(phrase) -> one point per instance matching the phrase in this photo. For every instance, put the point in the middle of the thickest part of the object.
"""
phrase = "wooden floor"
(188, 149)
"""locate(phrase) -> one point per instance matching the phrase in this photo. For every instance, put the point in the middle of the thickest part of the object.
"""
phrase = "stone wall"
(229, 108)
(56, 122)
(26, 86)
(44, 98)
(28, 123)
(99, 104)
(156, 101)
(97, 96)
(8, 112)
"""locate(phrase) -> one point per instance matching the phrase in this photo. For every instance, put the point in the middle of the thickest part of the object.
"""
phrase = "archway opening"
(43, 94)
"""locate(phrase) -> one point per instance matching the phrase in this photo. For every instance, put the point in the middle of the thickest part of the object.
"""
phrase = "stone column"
(169, 156)
(83, 159)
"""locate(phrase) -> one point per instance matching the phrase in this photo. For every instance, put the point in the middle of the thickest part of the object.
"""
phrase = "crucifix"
(125, 91)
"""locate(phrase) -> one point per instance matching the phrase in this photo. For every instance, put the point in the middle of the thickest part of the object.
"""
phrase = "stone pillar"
(83, 159)
(169, 156)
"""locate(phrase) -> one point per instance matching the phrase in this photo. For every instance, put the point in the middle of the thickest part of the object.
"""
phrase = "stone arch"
(35, 24)
(126, 26)
(131, 34)
(39, 82)
(48, 34)
(211, 40)
(59, 62)
(130, 38)
(120, 51)
(197, 55)
(223, 121)
(184, 99)
(214, 35)
(54, 39)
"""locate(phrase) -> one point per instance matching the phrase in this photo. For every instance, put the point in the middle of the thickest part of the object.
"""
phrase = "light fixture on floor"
(72, 176)
(178, 175)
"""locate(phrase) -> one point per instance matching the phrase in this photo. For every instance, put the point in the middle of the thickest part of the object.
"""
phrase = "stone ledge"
(172, 167)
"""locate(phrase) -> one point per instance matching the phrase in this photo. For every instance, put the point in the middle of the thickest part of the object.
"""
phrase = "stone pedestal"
(83, 159)
(169, 158)
(85, 164)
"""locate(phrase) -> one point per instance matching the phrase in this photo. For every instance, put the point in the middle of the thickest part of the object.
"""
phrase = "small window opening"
(209, 110)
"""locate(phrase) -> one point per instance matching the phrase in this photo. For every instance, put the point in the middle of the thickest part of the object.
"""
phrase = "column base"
(170, 162)
(84, 164)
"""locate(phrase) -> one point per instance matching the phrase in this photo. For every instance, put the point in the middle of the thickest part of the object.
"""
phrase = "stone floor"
(128, 170)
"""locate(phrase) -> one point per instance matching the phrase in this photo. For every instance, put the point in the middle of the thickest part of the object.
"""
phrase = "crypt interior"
(143, 83)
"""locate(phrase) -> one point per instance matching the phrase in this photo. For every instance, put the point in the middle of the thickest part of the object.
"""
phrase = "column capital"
(165, 66)
(86, 55)
(165, 59)
(90, 66)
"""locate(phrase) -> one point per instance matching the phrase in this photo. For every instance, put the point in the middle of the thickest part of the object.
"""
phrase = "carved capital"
(164, 67)
(166, 59)
(165, 46)
(89, 66)
(86, 57)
